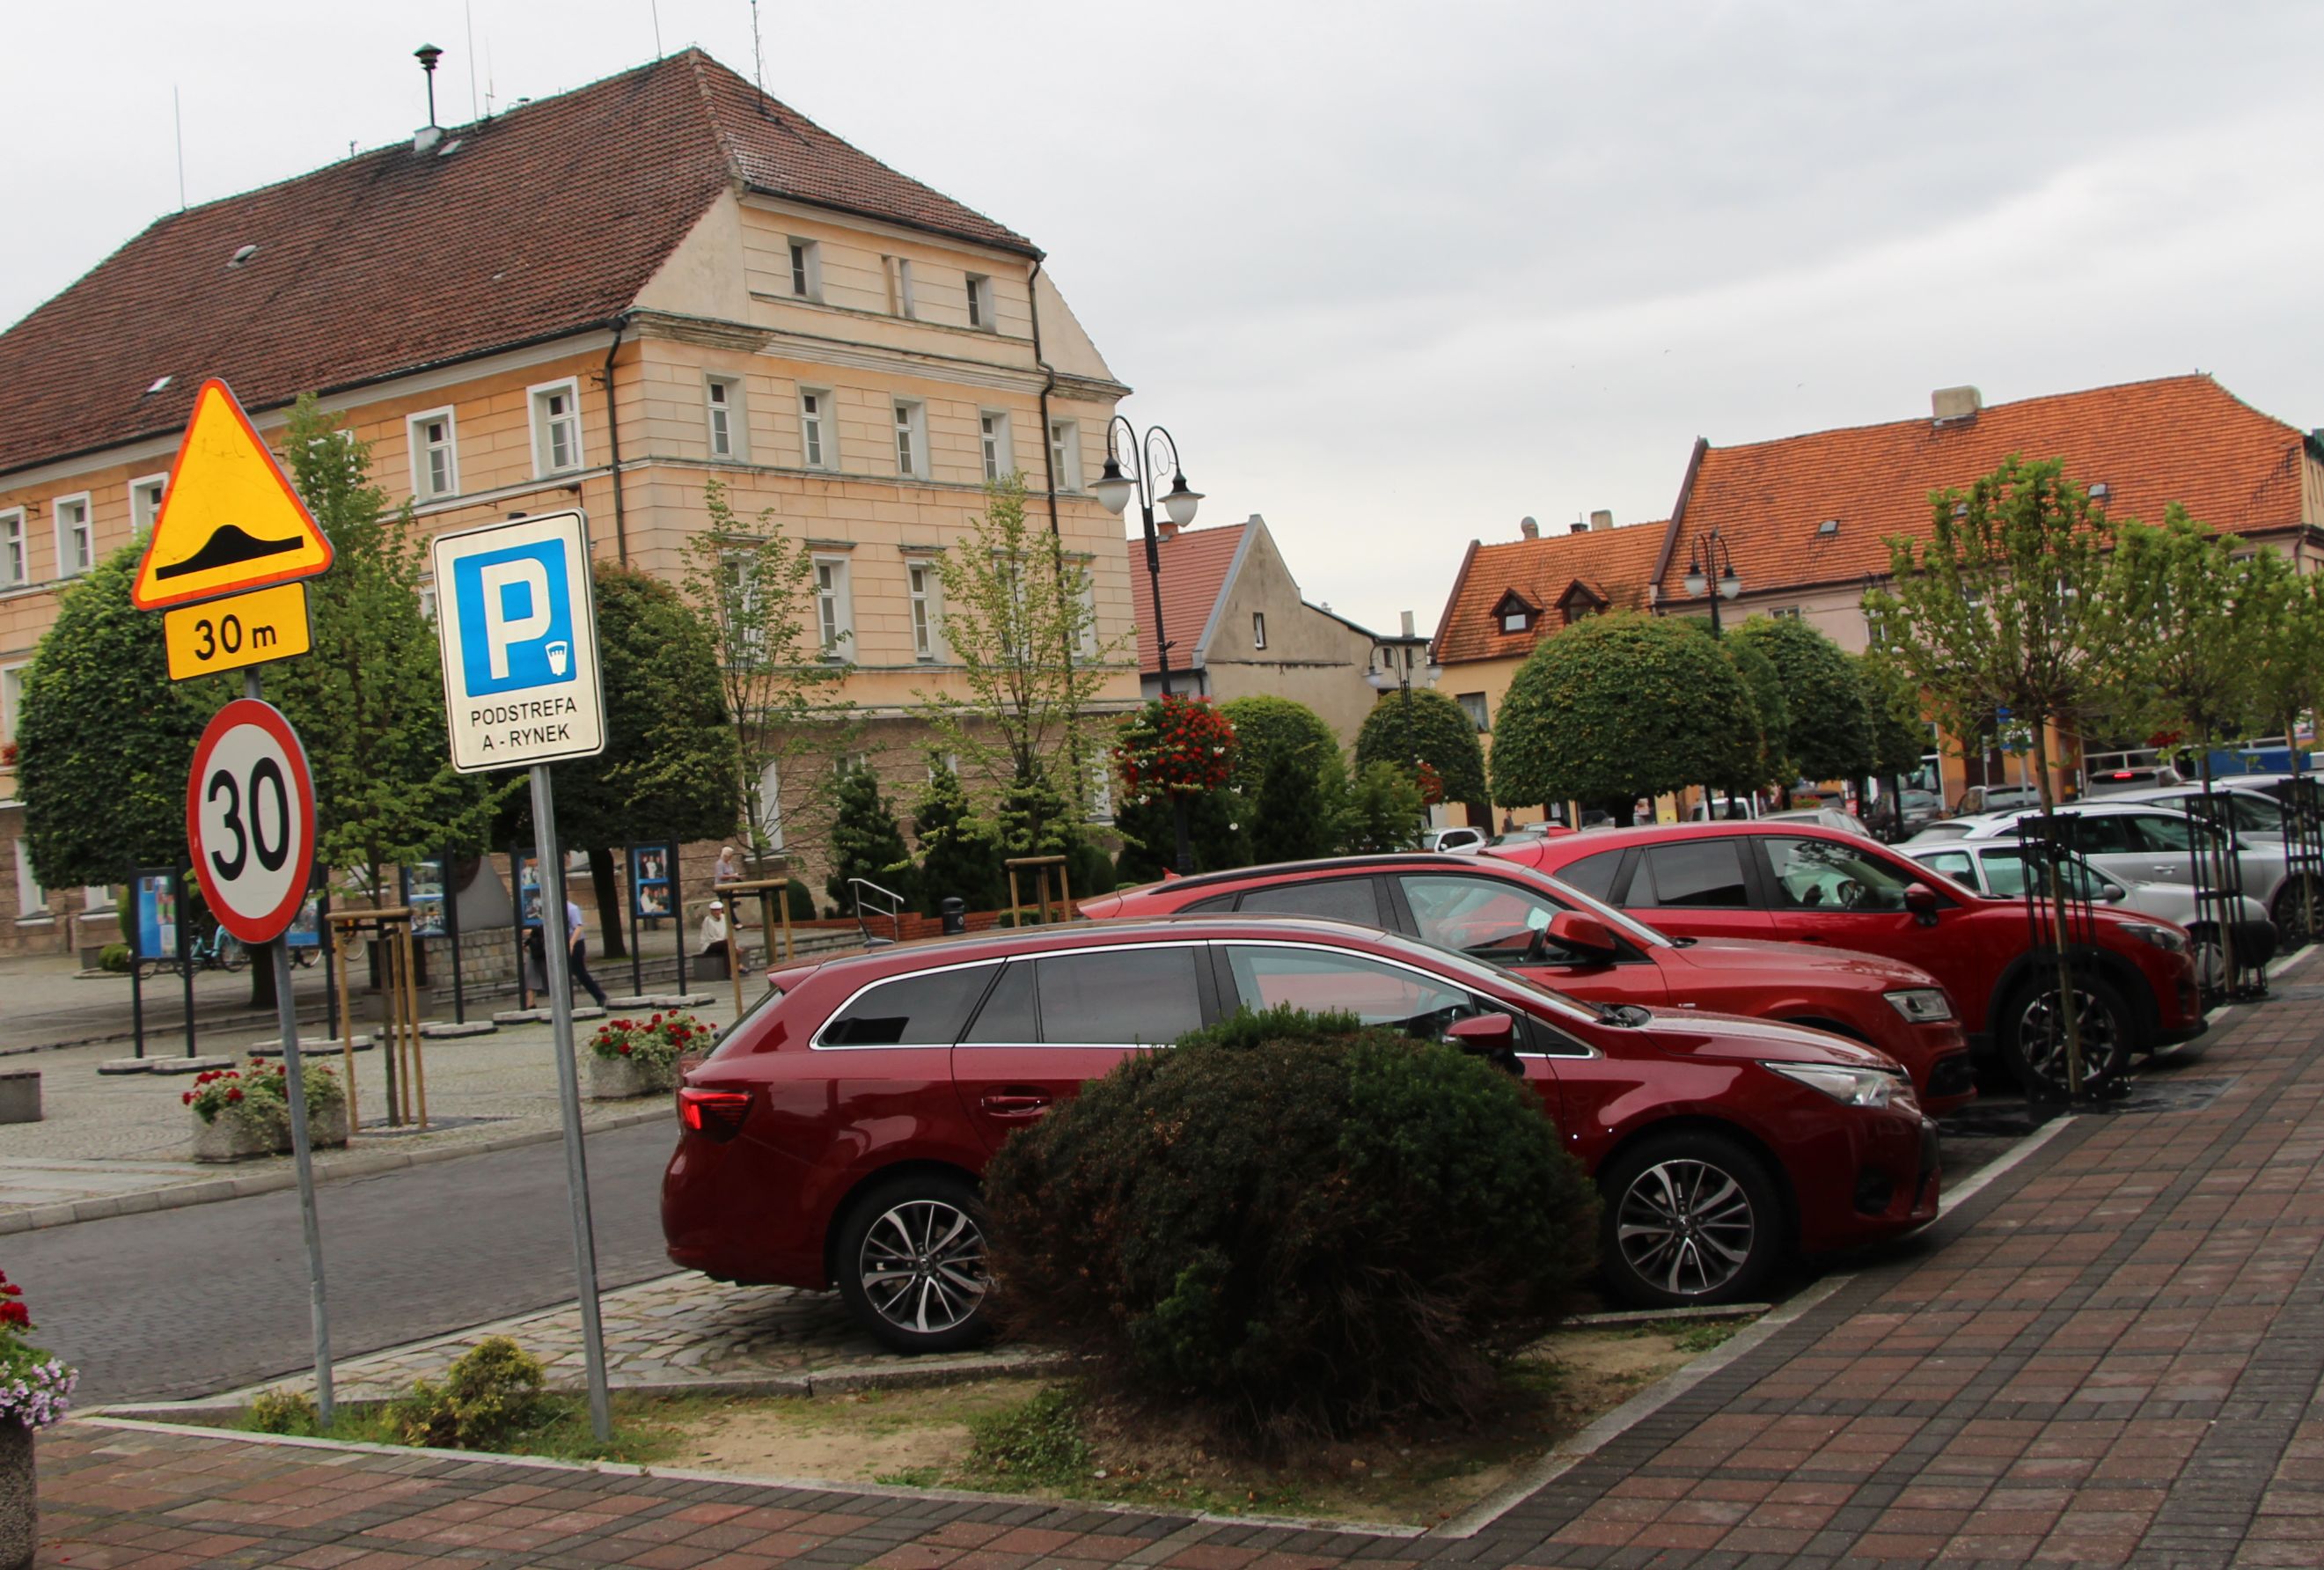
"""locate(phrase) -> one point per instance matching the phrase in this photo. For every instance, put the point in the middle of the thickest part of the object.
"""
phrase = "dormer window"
(1515, 612)
(1578, 602)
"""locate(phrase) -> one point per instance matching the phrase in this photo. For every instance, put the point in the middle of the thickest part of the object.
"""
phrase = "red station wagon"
(1515, 917)
(1799, 883)
(836, 1135)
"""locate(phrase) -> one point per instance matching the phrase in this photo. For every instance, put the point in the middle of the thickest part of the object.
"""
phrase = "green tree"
(1421, 725)
(866, 843)
(959, 854)
(1382, 811)
(2194, 625)
(1218, 827)
(105, 739)
(1772, 764)
(1620, 706)
(1287, 765)
(1829, 730)
(755, 587)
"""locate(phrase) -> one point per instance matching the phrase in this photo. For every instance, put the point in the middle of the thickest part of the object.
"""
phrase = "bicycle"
(219, 950)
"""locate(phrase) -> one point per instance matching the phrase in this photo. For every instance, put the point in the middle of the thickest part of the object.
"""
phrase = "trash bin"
(955, 913)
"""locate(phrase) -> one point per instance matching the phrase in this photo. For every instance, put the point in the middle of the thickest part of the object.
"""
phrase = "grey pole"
(555, 955)
(302, 1151)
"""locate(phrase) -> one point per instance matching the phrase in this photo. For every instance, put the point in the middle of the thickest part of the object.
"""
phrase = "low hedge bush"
(1302, 1225)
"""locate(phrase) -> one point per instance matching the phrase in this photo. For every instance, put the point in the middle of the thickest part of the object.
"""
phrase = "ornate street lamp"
(1706, 555)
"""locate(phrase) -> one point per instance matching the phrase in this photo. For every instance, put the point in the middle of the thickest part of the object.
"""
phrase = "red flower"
(11, 1291)
(187, 1098)
(625, 1048)
(234, 1095)
(15, 1313)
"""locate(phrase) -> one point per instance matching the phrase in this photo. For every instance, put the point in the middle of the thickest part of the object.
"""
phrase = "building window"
(992, 436)
(12, 700)
(145, 502)
(722, 399)
(979, 301)
(927, 586)
(815, 429)
(911, 440)
(428, 602)
(11, 548)
(1101, 796)
(76, 536)
(899, 287)
(1259, 629)
(1473, 704)
(1066, 453)
(1787, 613)
(556, 427)
(1514, 620)
(834, 607)
(807, 270)
(1087, 597)
(31, 900)
(435, 469)
(766, 812)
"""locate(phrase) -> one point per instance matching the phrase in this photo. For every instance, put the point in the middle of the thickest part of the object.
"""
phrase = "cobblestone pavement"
(2111, 1356)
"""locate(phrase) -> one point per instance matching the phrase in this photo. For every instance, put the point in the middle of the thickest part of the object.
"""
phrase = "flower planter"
(326, 1130)
(620, 1078)
(233, 1137)
(20, 1507)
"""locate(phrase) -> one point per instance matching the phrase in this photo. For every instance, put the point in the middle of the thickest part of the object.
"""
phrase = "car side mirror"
(1922, 900)
(1493, 1037)
(2113, 894)
(1582, 933)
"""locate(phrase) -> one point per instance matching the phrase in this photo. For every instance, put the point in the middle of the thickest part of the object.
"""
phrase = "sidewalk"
(2110, 1356)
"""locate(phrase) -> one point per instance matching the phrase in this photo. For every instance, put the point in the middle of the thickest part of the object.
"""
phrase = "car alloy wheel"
(922, 1266)
(1686, 1227)
(2103, 1035)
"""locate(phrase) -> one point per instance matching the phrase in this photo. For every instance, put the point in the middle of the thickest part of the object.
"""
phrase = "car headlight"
(1851, 1086)
(2169, 939)
(1922, 1005)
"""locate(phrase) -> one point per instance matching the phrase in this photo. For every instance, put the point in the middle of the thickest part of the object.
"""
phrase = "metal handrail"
(894, 912)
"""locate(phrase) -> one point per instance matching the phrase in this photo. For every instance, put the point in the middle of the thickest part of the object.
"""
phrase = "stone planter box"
(238, 1138)
(620, 1079)
(326, 1130)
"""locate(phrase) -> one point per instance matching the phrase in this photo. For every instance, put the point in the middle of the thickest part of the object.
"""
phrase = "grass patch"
(646, 1429)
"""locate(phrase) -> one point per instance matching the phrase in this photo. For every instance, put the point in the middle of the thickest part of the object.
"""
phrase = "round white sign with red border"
(250, 818)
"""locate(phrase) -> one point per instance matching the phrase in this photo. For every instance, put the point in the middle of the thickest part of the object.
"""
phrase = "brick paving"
(2112, 1356)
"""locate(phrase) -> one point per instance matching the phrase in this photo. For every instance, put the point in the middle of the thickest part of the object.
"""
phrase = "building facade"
(604, 300)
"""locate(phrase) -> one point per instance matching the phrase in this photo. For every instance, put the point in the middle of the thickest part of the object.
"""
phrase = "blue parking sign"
(519, 628)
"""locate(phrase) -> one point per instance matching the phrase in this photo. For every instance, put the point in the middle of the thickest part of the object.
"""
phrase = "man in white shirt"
(577, 950)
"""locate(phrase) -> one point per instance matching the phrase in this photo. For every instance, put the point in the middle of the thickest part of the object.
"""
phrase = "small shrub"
(492, 1393)
(1305, 1226)
(1037, 1442)
(114, 957)
(282, 1411)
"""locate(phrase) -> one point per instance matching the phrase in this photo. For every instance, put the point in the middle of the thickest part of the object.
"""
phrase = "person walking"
(576, 948)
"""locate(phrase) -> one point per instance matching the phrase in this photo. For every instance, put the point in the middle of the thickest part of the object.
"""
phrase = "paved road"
(185, 1302)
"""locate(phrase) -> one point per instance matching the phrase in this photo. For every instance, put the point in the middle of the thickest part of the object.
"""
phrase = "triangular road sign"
(229, 520)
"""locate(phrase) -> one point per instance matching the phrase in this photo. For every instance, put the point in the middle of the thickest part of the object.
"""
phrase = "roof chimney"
(1407, 624)
(1577, 527)
(1167, 528)
(1602, 519)
(1951, 403)
(1529, 529)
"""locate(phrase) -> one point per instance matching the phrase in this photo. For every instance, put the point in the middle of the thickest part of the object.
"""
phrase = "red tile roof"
(1613, 565)
(2183, 438)
(547, 219)
(1194, 567)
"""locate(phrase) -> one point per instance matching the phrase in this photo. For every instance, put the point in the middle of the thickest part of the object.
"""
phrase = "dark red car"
(836, 1135)
(1800, 883)
(1513, 915)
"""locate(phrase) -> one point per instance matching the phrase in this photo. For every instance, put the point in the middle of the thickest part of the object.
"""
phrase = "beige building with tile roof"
(604, 299)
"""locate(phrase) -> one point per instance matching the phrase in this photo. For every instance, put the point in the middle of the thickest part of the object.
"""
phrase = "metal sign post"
(518, 632)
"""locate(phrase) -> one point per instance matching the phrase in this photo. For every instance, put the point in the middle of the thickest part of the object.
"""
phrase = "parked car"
(2110, 784)
(835, 1135)
(1459, 839)
(1997, 867)
(2154, 844)
(1493, 908)
(1979, 799)
(2250, 812)
(1836, 818)
(1920, 809)
(1813, 885)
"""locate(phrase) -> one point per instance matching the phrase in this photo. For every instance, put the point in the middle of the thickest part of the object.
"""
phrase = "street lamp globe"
(1112, 488)
(1381, 679)
(1435, 673)
(1694, 580)
(1181, 501)
(1729, 584)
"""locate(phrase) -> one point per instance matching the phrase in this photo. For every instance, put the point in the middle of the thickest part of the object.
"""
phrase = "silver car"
(2251, 813)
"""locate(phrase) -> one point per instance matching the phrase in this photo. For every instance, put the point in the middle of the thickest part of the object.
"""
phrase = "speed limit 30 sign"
(250, 818)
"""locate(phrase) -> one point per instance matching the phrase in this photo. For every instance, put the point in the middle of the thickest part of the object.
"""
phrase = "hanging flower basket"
(1181, 745)
(1432, 785)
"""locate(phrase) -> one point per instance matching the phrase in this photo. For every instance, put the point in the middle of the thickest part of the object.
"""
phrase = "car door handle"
(1015, 1103)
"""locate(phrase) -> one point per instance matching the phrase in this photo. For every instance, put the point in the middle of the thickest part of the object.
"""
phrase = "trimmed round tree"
(1287, 765)
(1424, 726)
(1620, 706)
(1768, 706)
(1832, 729)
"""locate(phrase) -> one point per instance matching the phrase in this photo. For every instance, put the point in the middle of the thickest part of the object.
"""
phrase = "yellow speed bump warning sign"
(229, 520)
(268, 623)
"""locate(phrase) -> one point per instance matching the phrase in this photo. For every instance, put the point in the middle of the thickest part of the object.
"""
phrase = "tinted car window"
(1007, 1017)
(1376, 993)
(1697, 873)
(2157, 831)
(1337, 899)
(1958, 865)
(1822, 874)
(1119, 997)
(911, 1010)
(2095, 834)
(1593, 875)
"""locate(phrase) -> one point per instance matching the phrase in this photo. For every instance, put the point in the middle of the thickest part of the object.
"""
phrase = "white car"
(1998, 868)
(1459, 840)
(2252, 813)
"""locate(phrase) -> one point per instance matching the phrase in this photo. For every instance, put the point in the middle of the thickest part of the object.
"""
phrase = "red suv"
(1515, 917)
(836, 1135)
(1803, 884)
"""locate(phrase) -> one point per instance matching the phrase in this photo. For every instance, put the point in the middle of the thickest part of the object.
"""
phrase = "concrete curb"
(177, 1195)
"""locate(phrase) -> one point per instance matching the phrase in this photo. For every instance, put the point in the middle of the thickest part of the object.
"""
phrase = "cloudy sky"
(1397, 276)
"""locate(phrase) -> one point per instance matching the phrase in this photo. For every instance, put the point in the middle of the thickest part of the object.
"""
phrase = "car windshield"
(2005, 873)
(2254, 813)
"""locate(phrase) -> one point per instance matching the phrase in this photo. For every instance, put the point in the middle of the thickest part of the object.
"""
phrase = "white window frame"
(767, 810)
(996, 443)
(15, 549)
(806, 260)
(1066, 453)
(1482, 715)
(428, 601)
(924, 589)
(142, 517)
(1258, 629)
(1521, 618)
(535, 399)
(81, 499)
(31, 900)
(415, 435)
(900, 288)
(835, 609)
(980, 303)
(723, 396)
(911, 438)
(818, 432)
(1088, 596)
(12, 698)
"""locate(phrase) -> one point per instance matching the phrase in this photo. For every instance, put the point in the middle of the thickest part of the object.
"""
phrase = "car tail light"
(715, 1115)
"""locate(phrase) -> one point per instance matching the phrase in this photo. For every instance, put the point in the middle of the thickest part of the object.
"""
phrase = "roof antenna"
(758, 63)
(471, 11)
(654, 7)
(179, 115)
(428, 54)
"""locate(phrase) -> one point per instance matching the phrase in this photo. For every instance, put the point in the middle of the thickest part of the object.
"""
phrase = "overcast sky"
(1397, 276)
